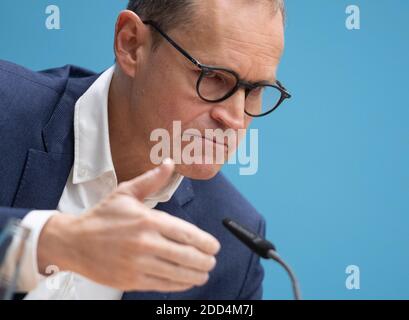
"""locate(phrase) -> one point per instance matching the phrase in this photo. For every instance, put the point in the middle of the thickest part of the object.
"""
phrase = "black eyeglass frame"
(239, 82)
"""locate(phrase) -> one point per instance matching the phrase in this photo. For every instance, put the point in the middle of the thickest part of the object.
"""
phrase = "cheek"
(174, 103)
(168, 94)
(248, 120)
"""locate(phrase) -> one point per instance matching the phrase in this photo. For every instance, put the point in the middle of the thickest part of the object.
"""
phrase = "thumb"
(149, 182)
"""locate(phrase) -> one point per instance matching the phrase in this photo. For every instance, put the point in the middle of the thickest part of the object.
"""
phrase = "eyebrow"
(211, 63)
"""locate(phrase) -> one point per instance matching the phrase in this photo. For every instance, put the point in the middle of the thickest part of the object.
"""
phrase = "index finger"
(186, 233)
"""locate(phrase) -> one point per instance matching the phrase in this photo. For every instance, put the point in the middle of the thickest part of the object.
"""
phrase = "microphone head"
(252, 240)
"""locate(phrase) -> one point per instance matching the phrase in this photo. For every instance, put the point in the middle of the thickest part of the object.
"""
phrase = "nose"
(231, 111)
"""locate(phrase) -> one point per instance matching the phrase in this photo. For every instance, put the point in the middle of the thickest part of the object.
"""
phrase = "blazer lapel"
(176, 205)
(43, 180)
(46, 171)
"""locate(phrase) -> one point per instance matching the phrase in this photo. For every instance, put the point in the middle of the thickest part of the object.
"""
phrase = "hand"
(123, 244)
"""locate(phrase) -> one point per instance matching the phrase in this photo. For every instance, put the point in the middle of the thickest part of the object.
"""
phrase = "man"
(76, 156)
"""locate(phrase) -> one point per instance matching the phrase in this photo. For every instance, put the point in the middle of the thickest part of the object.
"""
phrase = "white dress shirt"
(92, 177)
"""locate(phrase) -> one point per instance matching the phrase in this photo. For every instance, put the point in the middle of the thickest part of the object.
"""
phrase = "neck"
(129, 156)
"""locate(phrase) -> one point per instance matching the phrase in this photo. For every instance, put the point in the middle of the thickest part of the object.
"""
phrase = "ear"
(131, 39)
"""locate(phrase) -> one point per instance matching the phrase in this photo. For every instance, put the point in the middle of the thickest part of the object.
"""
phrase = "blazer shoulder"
(54, 79)
(32, 96)
(16, 77)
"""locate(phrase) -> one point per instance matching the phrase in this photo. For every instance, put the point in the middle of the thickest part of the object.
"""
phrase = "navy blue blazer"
(37, 153)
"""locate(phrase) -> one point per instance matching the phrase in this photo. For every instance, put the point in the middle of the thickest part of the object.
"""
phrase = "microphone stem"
(296, 288)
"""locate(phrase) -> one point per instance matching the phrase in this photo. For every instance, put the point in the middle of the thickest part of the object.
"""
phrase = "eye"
(214, 76)
(256, 92)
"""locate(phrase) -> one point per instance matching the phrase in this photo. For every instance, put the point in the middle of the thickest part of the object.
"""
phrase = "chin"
(198, 171)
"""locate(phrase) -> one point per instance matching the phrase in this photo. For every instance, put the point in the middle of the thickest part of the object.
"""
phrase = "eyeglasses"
(216, 84)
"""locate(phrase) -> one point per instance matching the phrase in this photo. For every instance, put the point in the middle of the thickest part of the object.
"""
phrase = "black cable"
(263, 248)
(294, 282)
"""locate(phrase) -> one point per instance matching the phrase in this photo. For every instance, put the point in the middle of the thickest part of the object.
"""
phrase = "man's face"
(241, 35)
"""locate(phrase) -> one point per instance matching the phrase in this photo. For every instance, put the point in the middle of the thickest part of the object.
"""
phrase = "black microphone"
(263, 248)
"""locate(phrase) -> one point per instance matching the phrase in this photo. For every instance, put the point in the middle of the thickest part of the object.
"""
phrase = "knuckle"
(147, 222)
(182, 257)
(143, 243)
(186, 237)
(190, 254)
(138, 264)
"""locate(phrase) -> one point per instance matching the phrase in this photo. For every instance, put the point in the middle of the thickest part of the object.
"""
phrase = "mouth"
(214, 140)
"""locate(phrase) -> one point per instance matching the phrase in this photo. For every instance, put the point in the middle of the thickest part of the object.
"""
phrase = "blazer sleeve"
(8, 213)
(253, 285)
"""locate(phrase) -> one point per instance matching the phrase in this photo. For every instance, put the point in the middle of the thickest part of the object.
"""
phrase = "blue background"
(333, 179)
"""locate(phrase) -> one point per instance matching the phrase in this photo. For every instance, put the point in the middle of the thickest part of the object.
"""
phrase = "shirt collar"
(92, 153)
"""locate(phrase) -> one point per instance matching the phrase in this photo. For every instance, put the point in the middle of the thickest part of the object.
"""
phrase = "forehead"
(244, 35)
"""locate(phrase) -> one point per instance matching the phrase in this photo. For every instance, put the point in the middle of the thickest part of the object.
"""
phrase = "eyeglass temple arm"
(280, 85)
(173, 43)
